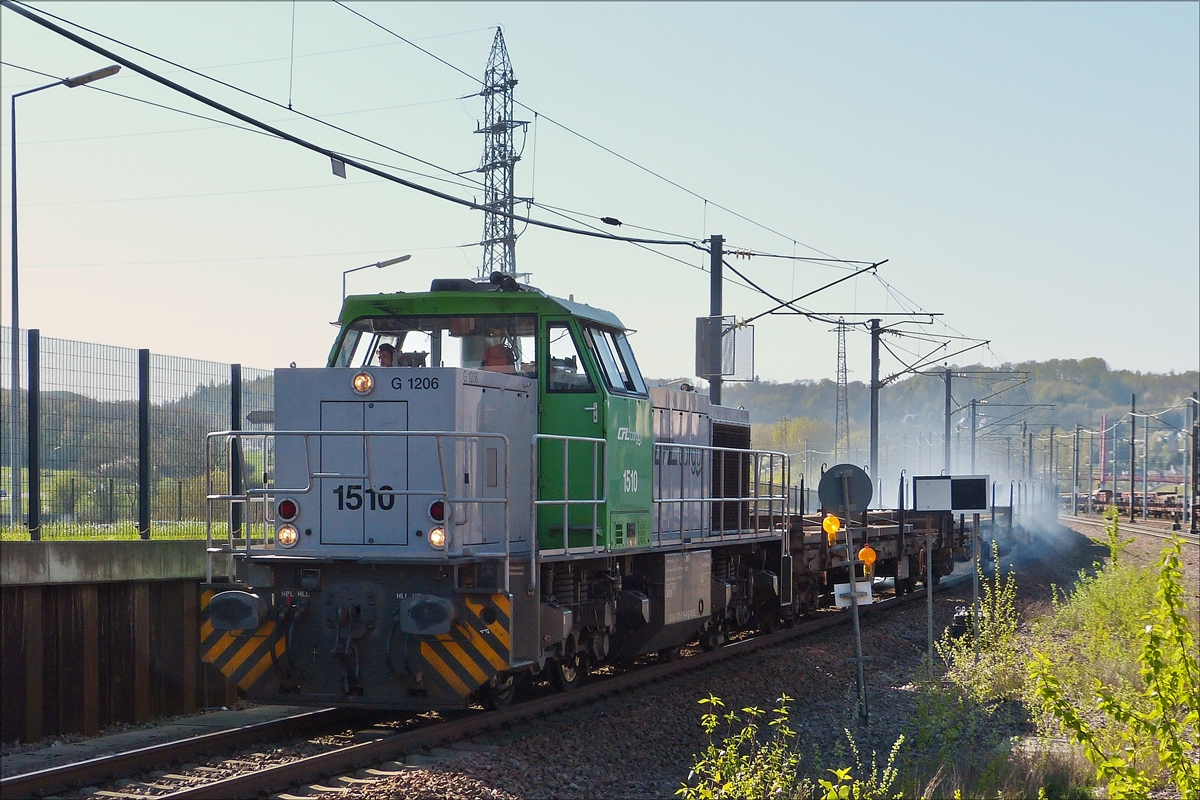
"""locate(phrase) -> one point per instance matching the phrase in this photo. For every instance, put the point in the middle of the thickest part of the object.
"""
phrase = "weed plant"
(991, 670)
(1123, 645)
(744, 761)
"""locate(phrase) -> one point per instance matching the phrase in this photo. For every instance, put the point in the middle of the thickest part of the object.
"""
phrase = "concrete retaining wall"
(98, 633)
(44, 563)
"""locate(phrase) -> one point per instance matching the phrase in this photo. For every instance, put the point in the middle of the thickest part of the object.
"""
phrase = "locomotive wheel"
(502, 692)
(568, 672)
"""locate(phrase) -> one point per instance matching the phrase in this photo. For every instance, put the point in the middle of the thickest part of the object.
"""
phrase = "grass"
(120, 531)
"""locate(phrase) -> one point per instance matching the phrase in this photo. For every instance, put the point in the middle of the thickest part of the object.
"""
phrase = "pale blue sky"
(1031, 170)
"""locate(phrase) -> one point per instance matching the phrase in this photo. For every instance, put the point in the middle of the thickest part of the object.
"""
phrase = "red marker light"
(288, 509)
(437, 511)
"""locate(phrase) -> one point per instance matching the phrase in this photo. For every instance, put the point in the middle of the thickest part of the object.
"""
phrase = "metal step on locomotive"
(480, 489)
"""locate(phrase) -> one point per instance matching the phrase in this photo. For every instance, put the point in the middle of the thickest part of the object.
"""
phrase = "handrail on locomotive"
(774, 496)
(264, 496)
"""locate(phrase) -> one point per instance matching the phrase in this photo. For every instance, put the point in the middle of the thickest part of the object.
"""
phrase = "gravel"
(642, 744)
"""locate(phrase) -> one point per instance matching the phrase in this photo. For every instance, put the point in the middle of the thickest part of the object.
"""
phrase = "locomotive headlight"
(287, 535)
(363, 383)
(437, 538)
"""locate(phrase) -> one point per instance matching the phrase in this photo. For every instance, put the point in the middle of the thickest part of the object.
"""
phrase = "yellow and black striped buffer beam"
(475, 649)
(242, 657)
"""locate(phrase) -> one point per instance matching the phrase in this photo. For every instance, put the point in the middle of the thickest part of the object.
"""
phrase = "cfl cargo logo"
(626, 435)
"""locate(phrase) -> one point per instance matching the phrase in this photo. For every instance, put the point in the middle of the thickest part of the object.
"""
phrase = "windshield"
(494, 342)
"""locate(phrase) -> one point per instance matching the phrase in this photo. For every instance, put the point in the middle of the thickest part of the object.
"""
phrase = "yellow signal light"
(867, 555)
(831, 525)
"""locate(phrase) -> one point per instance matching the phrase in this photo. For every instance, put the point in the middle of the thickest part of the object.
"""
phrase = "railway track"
(107, 767)
(238, 777)
(1143, 529)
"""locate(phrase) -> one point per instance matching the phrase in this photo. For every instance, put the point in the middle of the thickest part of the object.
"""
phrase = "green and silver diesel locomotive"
(480, 488)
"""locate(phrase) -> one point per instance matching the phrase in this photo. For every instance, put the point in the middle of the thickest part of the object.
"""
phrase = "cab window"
(616, 359)
(493, 342)
(566, 372)
(626, 352)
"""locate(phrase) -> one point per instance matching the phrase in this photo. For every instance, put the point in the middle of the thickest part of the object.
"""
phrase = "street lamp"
(377, 265)
(15, 449)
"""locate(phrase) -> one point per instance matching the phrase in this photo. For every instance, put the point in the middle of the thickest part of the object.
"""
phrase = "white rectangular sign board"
(951, 493)
(931, 494)
(841, 593)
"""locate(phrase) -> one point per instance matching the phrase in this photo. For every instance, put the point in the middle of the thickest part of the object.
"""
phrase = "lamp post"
(14, 448)
(377, 265)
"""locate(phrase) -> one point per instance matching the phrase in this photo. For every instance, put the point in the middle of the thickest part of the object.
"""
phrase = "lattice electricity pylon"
(499, 159)
(841, 428)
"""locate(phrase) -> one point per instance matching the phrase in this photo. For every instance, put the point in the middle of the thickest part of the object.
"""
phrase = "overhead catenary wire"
(238, 259)
(329, 153)
(340, 50)
(362, 162)
(269, 130)
(467, 184)
(588, 139)
(784, 303)
(94, 88)
(22, 8)
(552, 209)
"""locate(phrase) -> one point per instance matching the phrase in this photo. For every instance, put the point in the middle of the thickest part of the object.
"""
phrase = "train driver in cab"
(386, 354)
(500, 358)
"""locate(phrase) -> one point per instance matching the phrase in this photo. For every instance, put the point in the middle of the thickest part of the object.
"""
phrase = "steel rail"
(100, 768)
(348, 759)
(1185, 536)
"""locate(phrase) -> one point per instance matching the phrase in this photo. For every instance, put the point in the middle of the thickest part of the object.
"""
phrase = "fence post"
(144, 444)
(235, 459)
(34, 429)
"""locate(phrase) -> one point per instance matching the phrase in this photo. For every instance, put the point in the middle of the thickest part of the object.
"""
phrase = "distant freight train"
(480, 489)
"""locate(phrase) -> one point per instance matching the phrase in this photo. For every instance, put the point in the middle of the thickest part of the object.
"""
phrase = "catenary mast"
(499, 159)
(841, 428)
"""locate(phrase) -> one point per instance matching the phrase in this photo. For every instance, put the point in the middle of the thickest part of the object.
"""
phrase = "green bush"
(745, 763)
(739, 765)
(1147, 727)
(995, 670)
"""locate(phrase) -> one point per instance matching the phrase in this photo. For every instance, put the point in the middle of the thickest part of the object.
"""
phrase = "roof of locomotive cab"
(527, 301)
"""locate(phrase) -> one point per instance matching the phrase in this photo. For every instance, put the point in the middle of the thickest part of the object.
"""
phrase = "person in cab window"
(386, 355)
(499, 358)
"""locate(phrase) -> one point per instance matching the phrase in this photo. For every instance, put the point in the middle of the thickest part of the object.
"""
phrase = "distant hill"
(912, 409)
(1080, 390)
